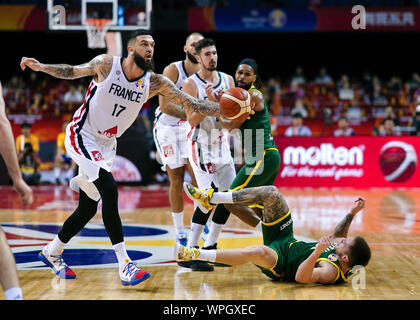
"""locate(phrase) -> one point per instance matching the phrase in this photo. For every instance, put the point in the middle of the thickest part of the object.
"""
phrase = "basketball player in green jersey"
(262, 158)
(282, 257)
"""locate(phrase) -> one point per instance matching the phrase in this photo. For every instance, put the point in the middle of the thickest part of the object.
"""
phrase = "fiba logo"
(397, 161)
(277, 18)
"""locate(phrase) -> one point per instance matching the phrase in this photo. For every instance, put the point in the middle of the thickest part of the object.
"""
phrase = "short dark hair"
(297, 115)
(139, 32)
(254, 65)
(203, 43)
(359, 253)
(26, 125)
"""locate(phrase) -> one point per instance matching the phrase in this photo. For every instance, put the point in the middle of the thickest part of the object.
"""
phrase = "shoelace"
(60, 260)
(130, 268)
(189, 253)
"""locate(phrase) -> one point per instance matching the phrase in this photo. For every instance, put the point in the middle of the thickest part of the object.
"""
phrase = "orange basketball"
(235, 104)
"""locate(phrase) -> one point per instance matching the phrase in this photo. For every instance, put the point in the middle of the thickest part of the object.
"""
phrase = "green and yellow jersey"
(257, 170)
(278, 235)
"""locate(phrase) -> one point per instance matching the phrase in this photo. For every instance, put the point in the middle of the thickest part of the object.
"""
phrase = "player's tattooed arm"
(160, 84)
(342, 229)
(275, 206)
(99, 67)
(174, 110)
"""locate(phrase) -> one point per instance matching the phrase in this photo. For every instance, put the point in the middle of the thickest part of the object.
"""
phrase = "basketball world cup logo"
(277, 18)
(397, 161)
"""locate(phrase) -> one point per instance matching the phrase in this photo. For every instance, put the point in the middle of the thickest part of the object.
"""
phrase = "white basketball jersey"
(111, 106)
(209, 141)
(166, 118)
(209, 123)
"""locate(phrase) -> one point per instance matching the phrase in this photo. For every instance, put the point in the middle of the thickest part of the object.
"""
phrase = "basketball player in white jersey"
(208, 146)
(170, 136)
(118, 90)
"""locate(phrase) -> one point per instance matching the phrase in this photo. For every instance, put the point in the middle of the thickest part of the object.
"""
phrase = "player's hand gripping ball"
(236, 104)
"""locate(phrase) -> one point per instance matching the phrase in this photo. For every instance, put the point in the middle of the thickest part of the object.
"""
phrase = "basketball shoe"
(131, 275)
(200, 196)
(185, 253)
(57, 264)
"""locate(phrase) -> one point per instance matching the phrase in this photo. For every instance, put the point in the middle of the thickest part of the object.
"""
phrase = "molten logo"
(325, 154)
(397, 161)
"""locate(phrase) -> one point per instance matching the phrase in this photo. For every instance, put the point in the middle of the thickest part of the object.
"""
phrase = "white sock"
(207, 255)
(259, 226)
(121, 253)
(214, 233)
(195, 233)
(55, 246)
(221, 197)
(178, 218)
(13, 294)
(57, 172)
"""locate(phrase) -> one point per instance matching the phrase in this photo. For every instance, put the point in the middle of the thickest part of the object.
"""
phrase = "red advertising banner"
(377, 19)
(349, 162)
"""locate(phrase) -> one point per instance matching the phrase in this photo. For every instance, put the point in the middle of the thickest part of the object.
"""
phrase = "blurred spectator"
(343, 128)
(414, 123)
(62, 160)
(300, 108)
(354, 110)
(390, 114)
(414, 81)
(27, 137)
(295, 91)
(73, 96)
(345, 92)
(394, 85)
(297, 129)
(388, 128)
(37, 103)
(323, 77)
(367, 83)
(298, 77)
(377, 97)
(273, 95)
(29, 163)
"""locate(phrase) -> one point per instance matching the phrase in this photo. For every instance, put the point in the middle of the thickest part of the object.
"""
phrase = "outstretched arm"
(160, 84)
(342, 228)
(99, 67)
(8, 152)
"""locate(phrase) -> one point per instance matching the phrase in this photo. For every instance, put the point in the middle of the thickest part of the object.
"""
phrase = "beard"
(211, 67)
(191, 58)
(143, 64)
(243, 85)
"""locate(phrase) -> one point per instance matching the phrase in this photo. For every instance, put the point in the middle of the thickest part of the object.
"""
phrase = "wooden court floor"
(390, 223)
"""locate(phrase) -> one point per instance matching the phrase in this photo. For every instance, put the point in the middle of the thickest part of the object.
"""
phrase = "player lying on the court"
(282, 257)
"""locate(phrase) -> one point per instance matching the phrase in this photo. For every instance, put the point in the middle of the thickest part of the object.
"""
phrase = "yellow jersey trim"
(250, 176)
(290, 244)
(277, 221)
(272, 268)
(338, 269)
(242, 186)
(255, 89)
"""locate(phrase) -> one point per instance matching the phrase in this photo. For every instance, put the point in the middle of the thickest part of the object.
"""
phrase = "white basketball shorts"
(90, 153)
(171, 143)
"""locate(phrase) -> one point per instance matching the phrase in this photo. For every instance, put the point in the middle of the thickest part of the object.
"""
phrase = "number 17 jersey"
(111, 106)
